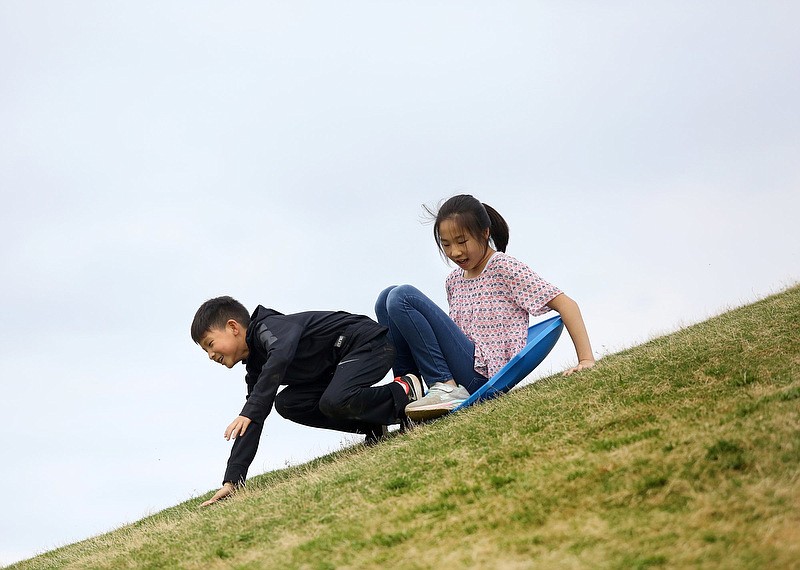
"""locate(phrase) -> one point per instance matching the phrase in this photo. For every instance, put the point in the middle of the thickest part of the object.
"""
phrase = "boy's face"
(226, 345)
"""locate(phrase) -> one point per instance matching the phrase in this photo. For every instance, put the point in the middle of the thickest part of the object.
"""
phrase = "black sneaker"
(414, 384)
(375, 435)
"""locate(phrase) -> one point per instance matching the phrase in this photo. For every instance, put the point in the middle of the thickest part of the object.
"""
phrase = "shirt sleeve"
(528, 290)
(448, 286)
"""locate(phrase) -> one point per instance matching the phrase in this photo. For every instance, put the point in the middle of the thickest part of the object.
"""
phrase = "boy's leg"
(299, 403)
(441, 349)
(352, 395)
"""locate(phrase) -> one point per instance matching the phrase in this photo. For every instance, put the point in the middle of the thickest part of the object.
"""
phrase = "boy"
(327, 361)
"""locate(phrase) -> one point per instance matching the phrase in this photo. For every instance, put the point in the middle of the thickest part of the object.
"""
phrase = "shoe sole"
(418, 414)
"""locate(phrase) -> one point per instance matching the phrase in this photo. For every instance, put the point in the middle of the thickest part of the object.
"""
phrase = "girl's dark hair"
(475, 217)
(215, 313)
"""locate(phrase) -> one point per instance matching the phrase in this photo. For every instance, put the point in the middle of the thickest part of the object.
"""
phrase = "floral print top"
(493, 309)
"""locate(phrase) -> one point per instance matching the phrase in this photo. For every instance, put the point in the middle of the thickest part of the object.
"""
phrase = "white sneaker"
(441, 399)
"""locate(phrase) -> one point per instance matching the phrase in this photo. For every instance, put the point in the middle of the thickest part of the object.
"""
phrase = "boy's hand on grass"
(582, 365)
(225, 492)
(237, 428)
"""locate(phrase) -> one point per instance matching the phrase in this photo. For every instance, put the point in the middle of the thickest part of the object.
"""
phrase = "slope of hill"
(681, 452)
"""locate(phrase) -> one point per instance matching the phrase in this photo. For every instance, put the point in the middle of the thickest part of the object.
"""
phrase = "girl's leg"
(404, 362)
(440, 349)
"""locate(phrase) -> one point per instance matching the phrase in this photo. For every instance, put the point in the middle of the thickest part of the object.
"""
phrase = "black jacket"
(285, 350)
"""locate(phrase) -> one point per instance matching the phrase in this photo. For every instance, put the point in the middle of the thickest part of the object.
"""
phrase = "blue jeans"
(427, 342)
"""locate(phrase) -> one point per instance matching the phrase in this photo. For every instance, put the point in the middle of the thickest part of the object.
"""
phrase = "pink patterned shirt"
(493, 309)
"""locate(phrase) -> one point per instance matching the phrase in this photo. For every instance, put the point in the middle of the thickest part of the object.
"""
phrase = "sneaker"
(375, 435)
(441, 399)
(413, 385)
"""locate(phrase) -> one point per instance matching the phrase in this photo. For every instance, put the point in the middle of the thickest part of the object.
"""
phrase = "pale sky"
(156, 154)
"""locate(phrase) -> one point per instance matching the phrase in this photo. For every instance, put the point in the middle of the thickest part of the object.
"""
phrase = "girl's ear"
(486, 234)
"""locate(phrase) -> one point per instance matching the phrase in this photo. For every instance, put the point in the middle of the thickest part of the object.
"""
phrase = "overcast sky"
(156, 154)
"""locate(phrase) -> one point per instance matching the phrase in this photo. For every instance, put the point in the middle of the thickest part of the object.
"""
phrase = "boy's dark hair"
(215, 313)
(469, 213)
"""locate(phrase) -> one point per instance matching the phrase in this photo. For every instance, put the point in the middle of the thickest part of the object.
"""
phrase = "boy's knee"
(282, 406)
(332, 407)
(290, 407)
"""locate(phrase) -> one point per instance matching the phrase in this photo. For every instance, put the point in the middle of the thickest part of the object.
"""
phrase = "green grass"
(680, 453)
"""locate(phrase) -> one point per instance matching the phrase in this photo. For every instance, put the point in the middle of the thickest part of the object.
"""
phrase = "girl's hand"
(225, 492)
(582, 365)
(237, 427)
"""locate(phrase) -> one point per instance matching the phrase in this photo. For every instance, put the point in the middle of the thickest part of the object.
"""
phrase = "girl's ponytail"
(498, 229)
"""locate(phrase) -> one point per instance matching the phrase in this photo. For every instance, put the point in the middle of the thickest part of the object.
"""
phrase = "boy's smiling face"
(227, 345)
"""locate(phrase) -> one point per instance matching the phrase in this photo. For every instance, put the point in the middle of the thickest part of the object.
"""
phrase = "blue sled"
(542, 338)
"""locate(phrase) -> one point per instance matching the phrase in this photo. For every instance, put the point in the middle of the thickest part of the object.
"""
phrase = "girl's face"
(465, 250)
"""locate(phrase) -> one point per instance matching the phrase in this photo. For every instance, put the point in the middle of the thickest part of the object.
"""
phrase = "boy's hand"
(237, 427)
(226, 491)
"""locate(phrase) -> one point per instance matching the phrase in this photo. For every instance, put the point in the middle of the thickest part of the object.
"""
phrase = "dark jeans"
(427, 341)
(349, 402)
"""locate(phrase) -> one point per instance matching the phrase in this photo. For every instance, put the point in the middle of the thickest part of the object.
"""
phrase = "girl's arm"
(571, 315)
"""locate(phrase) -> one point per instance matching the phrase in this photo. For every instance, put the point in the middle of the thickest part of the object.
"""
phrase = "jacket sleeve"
(278, 342)
(242, 454)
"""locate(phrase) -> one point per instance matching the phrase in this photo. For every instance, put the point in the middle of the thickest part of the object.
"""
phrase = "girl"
(491, 296)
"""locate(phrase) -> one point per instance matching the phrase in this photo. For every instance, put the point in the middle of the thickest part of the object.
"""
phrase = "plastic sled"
(542, 337)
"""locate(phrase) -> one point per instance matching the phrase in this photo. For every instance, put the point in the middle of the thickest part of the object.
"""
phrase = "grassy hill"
(682, 452)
